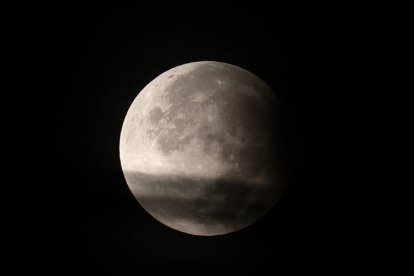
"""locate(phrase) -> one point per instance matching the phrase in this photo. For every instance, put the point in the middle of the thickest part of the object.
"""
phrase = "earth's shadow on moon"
(203, 206)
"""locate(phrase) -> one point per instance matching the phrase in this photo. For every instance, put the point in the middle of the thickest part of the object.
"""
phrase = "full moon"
(200, 148)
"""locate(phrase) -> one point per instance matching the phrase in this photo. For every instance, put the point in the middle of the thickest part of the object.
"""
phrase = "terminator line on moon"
(199, 148)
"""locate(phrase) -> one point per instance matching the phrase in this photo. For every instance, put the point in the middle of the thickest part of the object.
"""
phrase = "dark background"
(98, 57)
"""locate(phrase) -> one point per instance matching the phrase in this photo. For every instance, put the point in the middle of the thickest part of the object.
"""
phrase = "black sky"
(100, 56)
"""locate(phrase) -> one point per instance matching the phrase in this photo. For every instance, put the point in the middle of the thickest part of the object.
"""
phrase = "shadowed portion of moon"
(223, 205)
(200, 147)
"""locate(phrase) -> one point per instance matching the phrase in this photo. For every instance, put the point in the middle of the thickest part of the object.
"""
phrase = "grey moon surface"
(200, 148)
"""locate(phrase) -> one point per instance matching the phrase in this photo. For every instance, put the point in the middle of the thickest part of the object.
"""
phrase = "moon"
(200, 148)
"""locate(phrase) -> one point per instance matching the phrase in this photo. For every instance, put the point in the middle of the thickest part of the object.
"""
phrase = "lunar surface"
(200, 148)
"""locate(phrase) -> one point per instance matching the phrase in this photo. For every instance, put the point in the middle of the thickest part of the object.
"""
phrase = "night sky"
(101, 56)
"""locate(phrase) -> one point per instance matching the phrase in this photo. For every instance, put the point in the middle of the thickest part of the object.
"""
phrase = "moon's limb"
(199, 148)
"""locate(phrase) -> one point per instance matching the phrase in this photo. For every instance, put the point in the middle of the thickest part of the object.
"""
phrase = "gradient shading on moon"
(199, 148)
